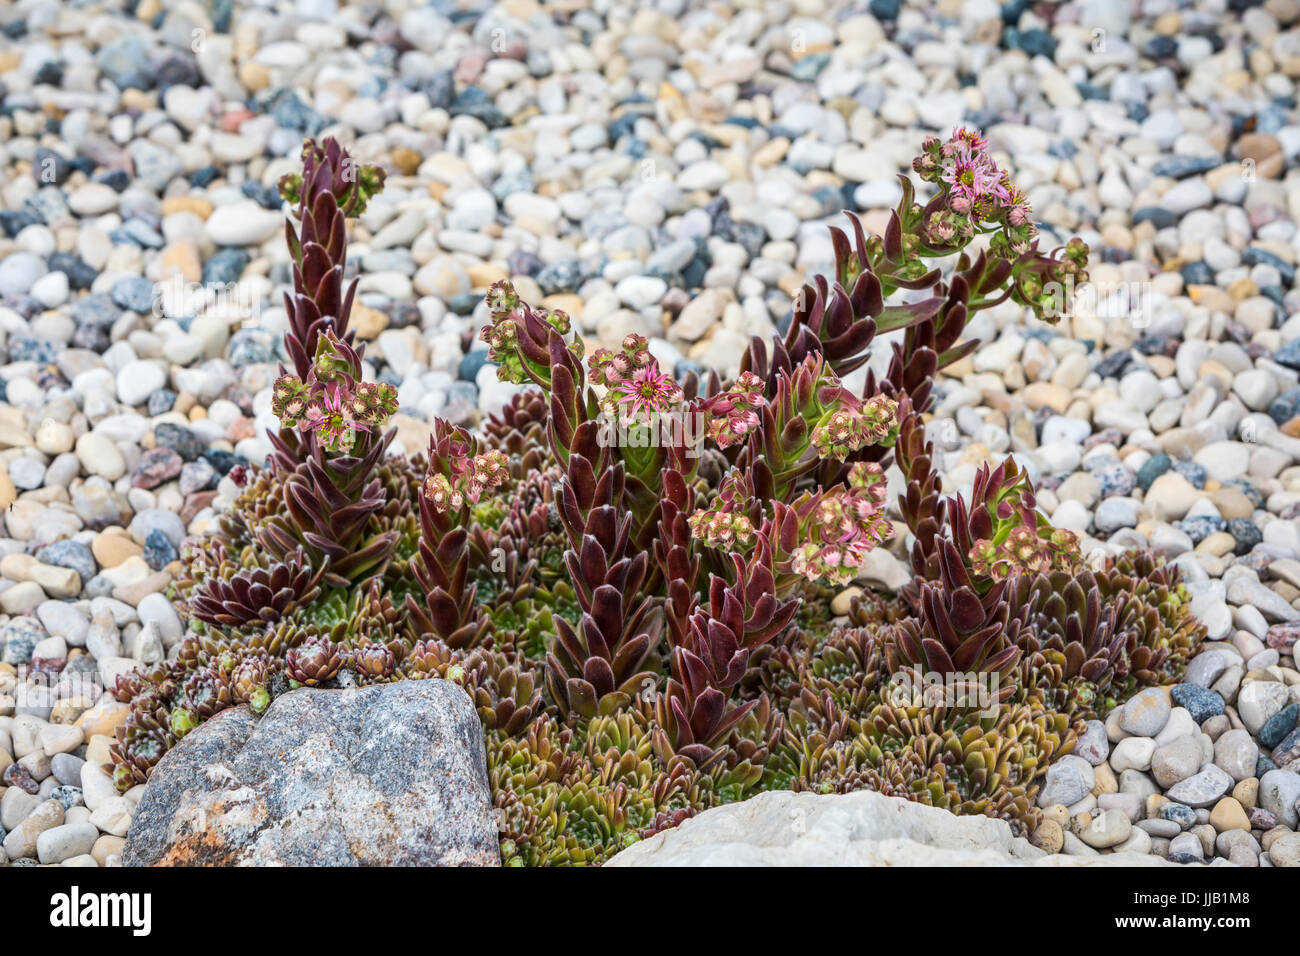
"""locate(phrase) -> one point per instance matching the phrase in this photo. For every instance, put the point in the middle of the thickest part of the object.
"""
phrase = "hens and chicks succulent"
(629, 574)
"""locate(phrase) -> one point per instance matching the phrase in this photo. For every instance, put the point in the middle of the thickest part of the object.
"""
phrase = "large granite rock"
(852, 829)
(388, 775)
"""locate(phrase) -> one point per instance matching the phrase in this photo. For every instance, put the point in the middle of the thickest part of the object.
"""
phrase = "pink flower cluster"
(726, 525)
(636, 388)
(854, 424)
(1025, 551)
(977, 190)
(845, 525)
(471, 475)
(733, 414)
(331, 403)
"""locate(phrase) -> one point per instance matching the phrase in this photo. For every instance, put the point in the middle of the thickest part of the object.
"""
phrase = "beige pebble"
(1048, 836)
(1229, 815)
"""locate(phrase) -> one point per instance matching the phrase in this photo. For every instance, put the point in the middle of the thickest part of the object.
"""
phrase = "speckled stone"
(391, 775)
(1153, 468)
(1278, 726)
(1202, 704)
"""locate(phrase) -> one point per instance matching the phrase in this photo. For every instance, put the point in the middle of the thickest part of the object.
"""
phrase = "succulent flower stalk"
(331, 187)
(518, 337)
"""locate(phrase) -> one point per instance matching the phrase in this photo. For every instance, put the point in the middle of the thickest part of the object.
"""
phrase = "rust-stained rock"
(389, 775)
